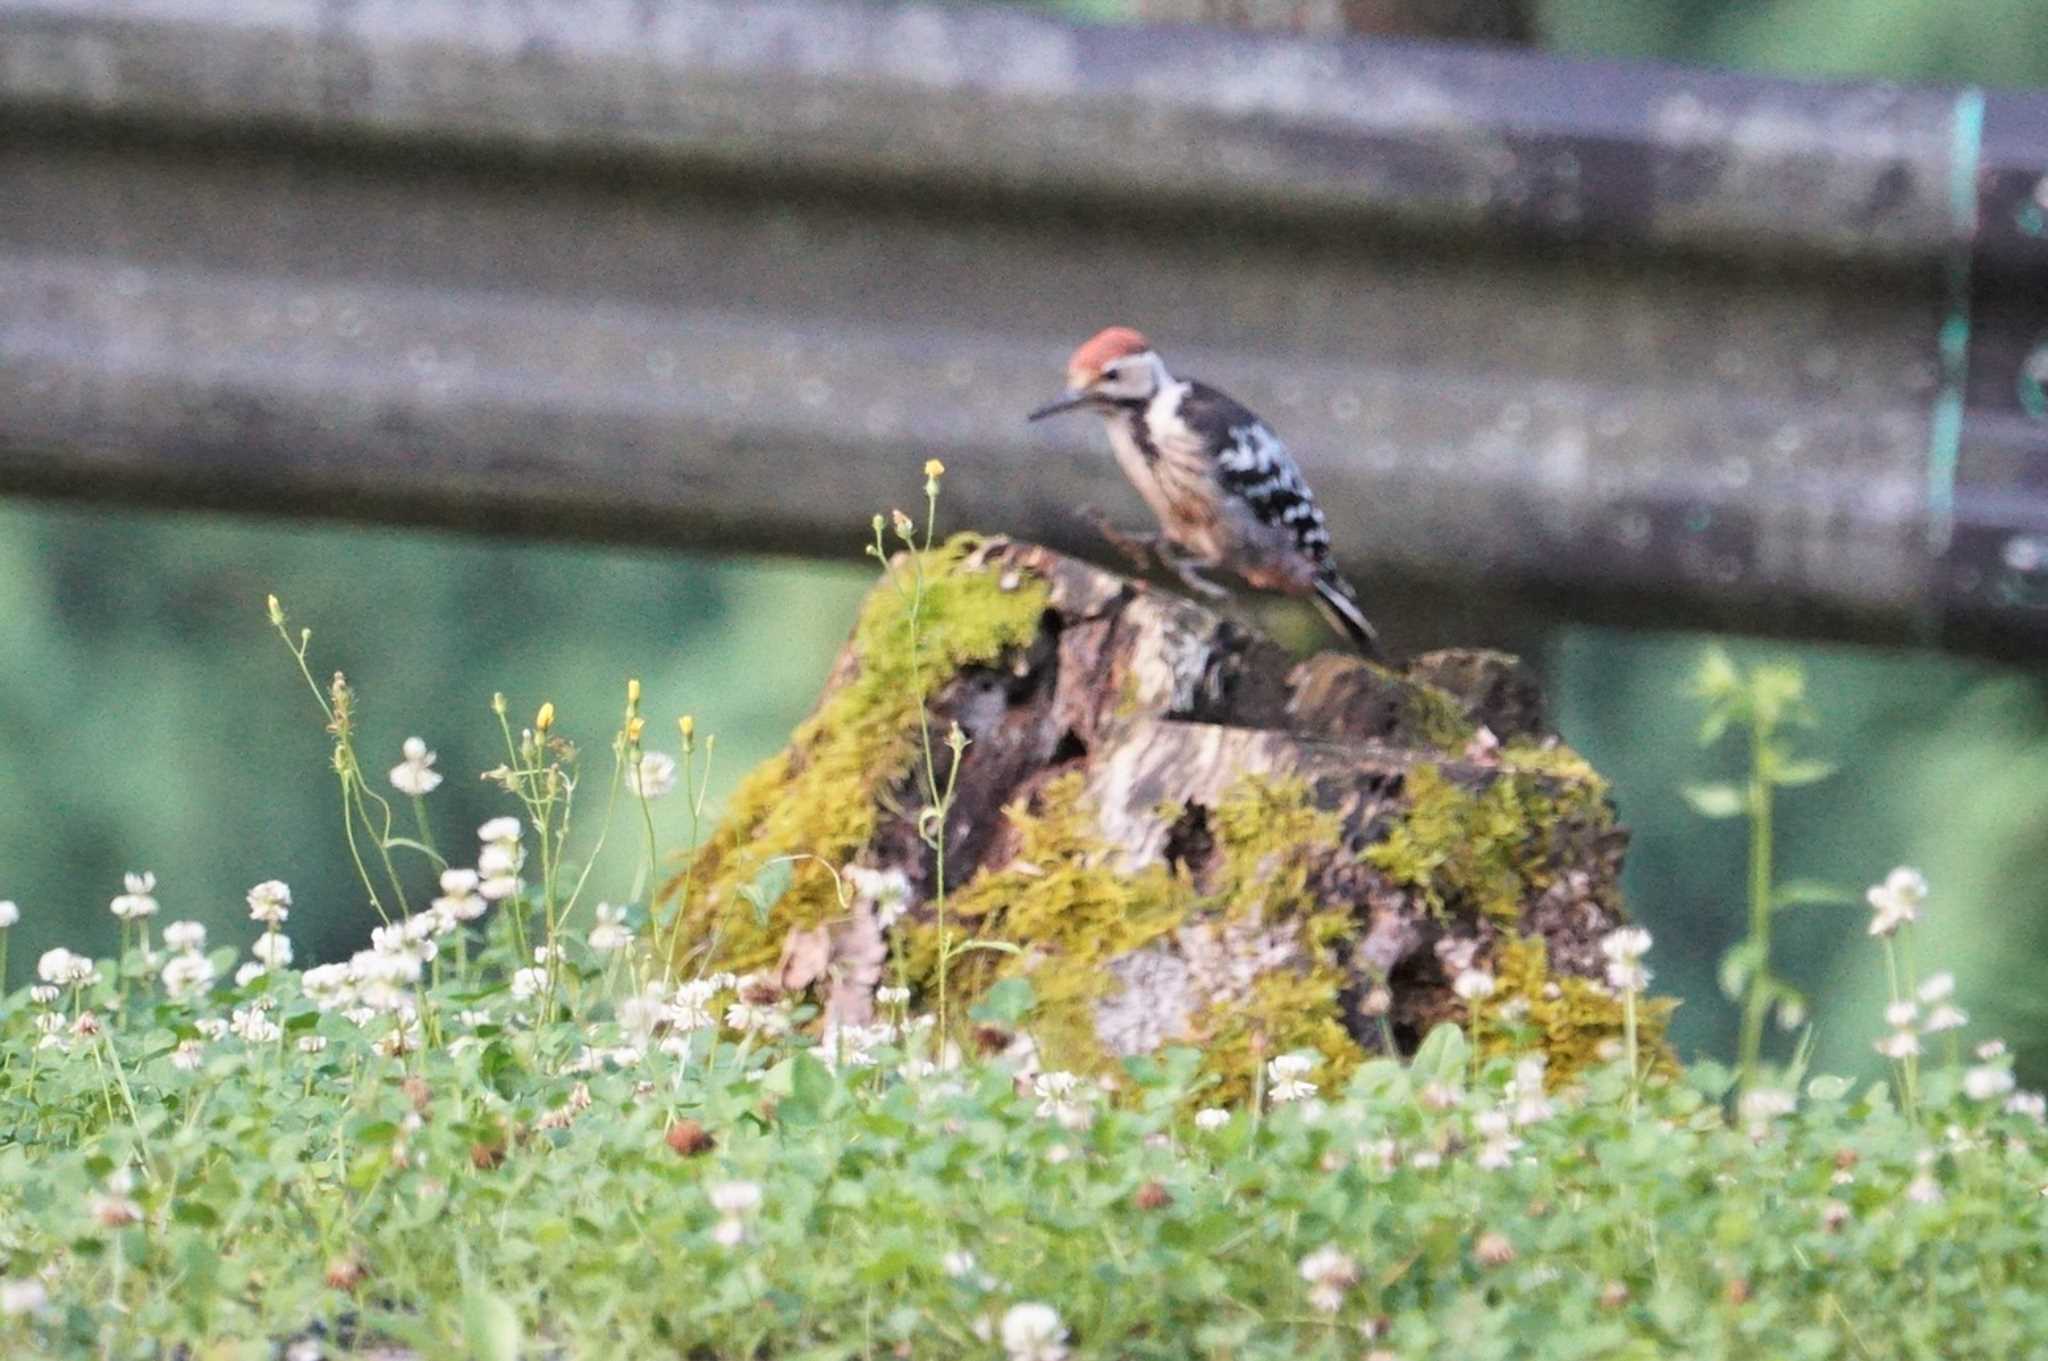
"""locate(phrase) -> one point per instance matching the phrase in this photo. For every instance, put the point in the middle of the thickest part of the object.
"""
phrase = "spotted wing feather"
(1253, 465)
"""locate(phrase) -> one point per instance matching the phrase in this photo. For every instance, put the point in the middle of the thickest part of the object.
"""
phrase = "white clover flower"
(1987, 1083)
(1901, 1015)
(10, 913)
(1945, 1017)
(847, 1046)
(1626, 944)
(501, 829)
(1211, 1118)
(1529, 1092)
(1900, 1044)
(1287, 1080)
(254, 1026)
(312, 1044)
(138, 901)
(1329, 1273)
(1765, 1104)
(1472, 985)
(735, 1199)
(211, 1027)
(892, 997)
(1990, 1049)
(270, 902)
(21, 1296)
(1496, 1155)
(45, 994)
(1033, 1332)
(1061, 1099)
(186, 974)
(611, 932)
(185, 936)
(415, 775)
(459, 897)
(274, 949)
(528, 983)
(958, 1265)
(404, 1037)
(886, 892)
(1627, 976)
(1924, 1190)
(2028, 1103)
(690, 1009)
(756, 1017)
(249, 973)
(64, 969)
(1938, 988)
(654, 776)
(1896, 901)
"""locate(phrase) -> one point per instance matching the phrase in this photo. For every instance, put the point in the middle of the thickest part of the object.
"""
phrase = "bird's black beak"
(1068, 400)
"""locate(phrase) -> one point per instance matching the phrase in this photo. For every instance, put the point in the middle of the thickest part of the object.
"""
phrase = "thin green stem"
(1757, 1000)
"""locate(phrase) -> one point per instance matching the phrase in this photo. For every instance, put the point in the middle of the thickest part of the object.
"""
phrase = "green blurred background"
(149, 717)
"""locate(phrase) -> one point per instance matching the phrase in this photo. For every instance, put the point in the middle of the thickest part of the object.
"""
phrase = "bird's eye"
(1111, 374)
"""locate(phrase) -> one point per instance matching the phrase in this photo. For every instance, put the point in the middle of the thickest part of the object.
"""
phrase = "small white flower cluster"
(610, 932)
(62, 969)
(765, 1019)
(1761, 1105)
(188, 972)
(1033, 1332)
(886, 893)
(139, 901)
(415, 776)
(1063, 1099)
(1288, 1078)
(252, 1024)
(459, 901)
(1937, 994)
(736, 1203)
(1528, 1093)
(500, 858)
(1330, 1273)
(1211, 1118)
(853, 1046)
(1897, 901)
(1625, 948)
(653, 776)
(1498, 1144)
(1473, 985)
(10, 913)
(270, 902)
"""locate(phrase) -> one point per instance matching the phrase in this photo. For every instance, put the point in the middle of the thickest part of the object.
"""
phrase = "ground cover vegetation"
(521, 1122)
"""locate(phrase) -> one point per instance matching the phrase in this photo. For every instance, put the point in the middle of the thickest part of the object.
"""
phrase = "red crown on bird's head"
(1104, 347)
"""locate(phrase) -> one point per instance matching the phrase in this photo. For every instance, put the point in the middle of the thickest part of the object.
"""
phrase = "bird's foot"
(1190, 573)
(1136, 546)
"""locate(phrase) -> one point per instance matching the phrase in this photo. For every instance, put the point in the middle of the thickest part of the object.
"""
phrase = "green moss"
(820, 796)
(1466, 850)
(1435, 718)
(1073, 911)
(1272, 842)
(1555, 760)
(1574, 1017)
(1068, 907)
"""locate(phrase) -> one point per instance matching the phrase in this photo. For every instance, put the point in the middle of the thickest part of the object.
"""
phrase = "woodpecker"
(1224, 488)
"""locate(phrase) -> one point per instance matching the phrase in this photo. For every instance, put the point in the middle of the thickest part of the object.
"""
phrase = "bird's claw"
(1136, 546)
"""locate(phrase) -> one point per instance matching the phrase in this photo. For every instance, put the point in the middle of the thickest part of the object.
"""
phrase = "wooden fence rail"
(1606, 340)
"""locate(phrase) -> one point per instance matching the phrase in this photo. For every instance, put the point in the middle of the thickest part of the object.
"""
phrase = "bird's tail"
(1335, 599)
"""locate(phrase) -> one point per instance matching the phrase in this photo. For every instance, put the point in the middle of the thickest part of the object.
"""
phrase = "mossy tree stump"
(1190, 837)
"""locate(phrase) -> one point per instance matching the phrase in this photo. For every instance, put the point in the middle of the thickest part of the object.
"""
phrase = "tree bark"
(1164, 818)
